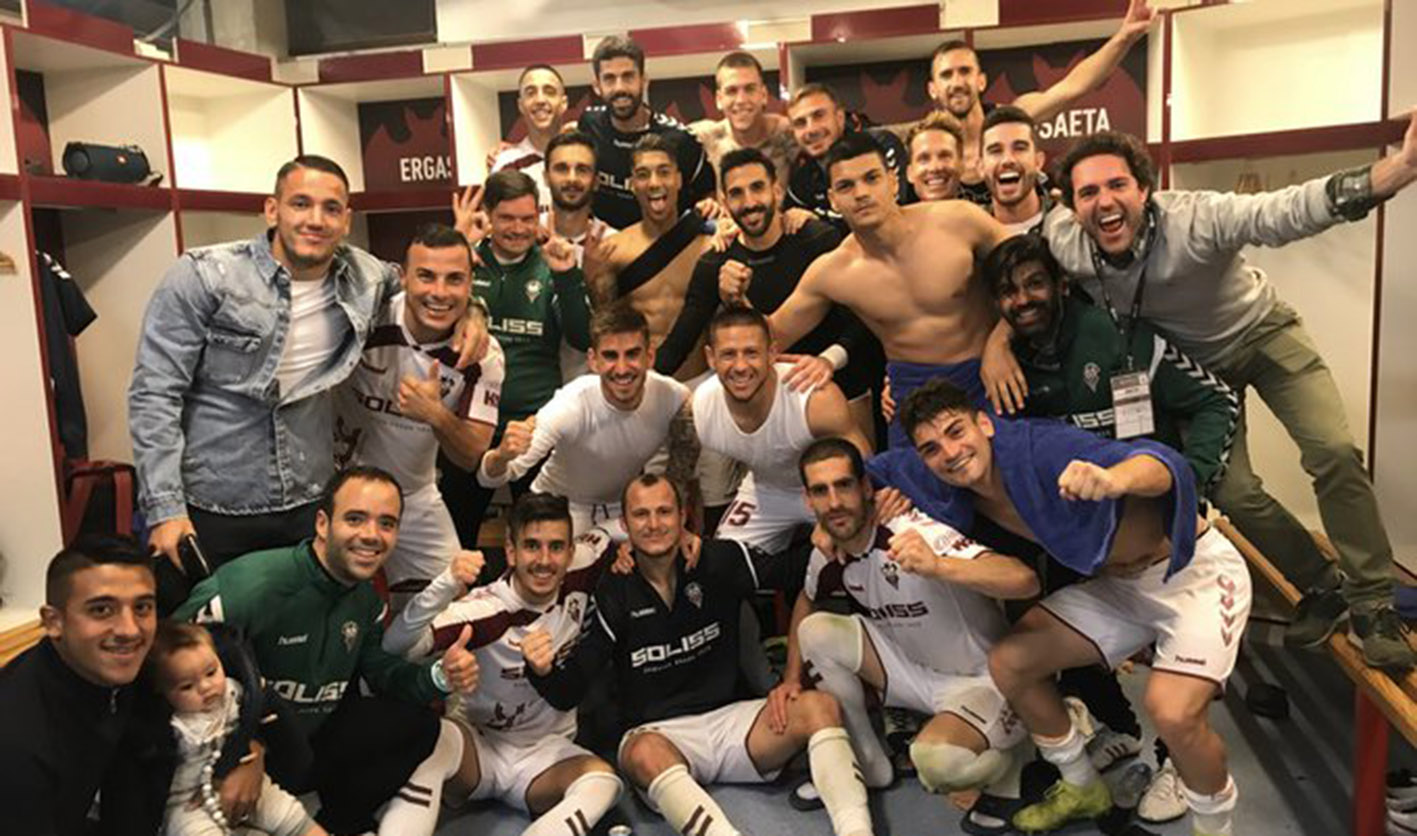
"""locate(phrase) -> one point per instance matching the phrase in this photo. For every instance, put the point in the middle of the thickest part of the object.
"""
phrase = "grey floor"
(1295, 776)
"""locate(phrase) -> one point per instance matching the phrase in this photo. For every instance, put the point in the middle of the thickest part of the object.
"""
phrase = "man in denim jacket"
(1199, 290)
(228, 407)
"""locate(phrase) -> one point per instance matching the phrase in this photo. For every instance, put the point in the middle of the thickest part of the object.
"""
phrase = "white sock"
(838, 781)
(686, 806)
(413, 811)
(585, 801)
(831, 645)
(1069, 754)
(1211, 814)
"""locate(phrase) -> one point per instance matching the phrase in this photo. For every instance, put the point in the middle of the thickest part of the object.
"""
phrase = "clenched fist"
(538, 651)
(1089, 482)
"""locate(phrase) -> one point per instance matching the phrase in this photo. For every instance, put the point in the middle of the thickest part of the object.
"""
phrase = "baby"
(206, 709)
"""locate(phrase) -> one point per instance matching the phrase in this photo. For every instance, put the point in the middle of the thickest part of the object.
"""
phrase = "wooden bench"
(1380, 703)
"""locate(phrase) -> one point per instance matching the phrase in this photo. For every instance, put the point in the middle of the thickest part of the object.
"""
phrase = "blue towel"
(907, 377)
(1031, 454)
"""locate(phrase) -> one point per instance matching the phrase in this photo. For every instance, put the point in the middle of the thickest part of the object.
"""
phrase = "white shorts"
(603, 515)
(764, 518)
(715, 744)
(1196, 618)
(974, 698)
(508, 763)
(427, 538)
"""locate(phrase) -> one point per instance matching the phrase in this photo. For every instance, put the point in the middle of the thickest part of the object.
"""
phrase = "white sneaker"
(1108, 748)
(1162, 801)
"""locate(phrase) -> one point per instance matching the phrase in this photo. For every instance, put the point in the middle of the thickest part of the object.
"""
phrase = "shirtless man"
(956, 84)
(741, 95)
(651, 262)
(1123, 514)
(906, 272)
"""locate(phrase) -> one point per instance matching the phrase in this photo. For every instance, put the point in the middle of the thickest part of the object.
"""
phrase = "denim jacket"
(210, 425)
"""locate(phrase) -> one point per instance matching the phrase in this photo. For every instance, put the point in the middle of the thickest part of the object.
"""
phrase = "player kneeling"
(925, 617)
(519, 748)
(672, 631)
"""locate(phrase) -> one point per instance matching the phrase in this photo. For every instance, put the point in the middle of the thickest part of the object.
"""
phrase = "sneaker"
(990, 815)
(804, 797)
(1063, 803)
(1401, 791)
(901, 726)
(1317, 615)
(1162, 801)
(1382, 634)
(1107, 748)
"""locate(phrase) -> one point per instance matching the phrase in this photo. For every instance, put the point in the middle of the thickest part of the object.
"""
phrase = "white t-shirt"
(525, 158)
(937, 624)
(1025, 225)
(317, 327)
(771, 451)
(595, 449)
(369, 429)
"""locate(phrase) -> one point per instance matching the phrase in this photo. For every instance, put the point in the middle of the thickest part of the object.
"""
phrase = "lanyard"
(1125, 326)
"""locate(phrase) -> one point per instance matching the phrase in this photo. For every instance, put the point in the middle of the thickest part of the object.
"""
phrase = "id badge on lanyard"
(1131, 404)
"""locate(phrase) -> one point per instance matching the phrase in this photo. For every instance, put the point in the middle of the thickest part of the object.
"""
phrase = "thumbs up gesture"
(421, 398)
(459, 663)
(538, 651)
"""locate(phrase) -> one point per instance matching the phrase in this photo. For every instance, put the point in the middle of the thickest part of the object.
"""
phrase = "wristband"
(836, 355)
(440, 680)
(1350, 193)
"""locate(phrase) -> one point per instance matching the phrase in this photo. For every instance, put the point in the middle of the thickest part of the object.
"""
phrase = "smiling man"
(66, 703)
(406, 402)
(315, 625)
(625, 117)
(228, 407)
(541, 101)
(1175, 258)
(819, 121)
(519, 748)
(601, 428)
(741, 94)
(935, 148)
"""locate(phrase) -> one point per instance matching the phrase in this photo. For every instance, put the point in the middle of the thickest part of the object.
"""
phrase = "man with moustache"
(819, 121)
(650, 263)
(956, 84)
(618, 77)
(741, 95)
(535, 298)
(761, 268)
(315, 623)
(68, 705)
(541, 100)
(906, 272)
(406, 403)
(670, 631)
(600, 429)
(935, 147)
(1175, 258)
(232, 426)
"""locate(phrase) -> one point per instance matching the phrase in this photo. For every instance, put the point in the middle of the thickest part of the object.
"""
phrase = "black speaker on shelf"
(108, 163)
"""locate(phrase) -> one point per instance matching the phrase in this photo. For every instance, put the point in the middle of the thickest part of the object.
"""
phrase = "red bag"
(99, 497)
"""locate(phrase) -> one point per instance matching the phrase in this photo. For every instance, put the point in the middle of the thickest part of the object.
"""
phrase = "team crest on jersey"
(1091, 375)
(349, 631)
(533, 289)
(695, 594)
(891, 570)
(573, 609)
(445, 385)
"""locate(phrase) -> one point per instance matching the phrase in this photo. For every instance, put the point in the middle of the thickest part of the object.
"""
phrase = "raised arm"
(524, 443)
(700, 302)
(1141, 475)
(1092, 71)
(926, 547)
(806, 307)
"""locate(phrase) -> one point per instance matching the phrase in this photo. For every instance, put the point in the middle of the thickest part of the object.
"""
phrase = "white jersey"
(525, 158)
(771, 451)
(941, 625)
(594, 448)
(369, 429)
(505, 700)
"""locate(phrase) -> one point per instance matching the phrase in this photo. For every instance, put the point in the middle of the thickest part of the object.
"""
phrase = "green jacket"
(1195, 411)
(313, 636)
(530, 310)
